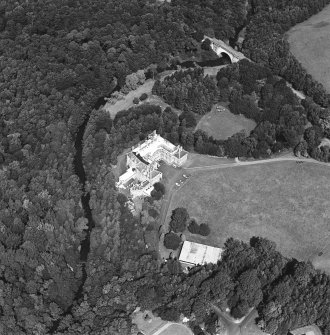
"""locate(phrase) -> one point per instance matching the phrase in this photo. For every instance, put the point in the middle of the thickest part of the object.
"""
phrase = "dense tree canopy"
(57, 58)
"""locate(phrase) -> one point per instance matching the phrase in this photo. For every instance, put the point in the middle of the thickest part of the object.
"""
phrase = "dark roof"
(180, 154)
(140, 158)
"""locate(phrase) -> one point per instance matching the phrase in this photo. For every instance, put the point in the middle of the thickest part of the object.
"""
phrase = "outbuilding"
(193, 253)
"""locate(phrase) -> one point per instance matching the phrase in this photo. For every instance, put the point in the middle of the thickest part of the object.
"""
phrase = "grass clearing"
(223, 124)
(176, 329)
(212, 71)
(154, 325)
(147, 322)
(285, 202)
(310, 44)
(127, 102)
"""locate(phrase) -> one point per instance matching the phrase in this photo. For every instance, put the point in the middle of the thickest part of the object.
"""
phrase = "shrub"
(174, 266)
(179, 219)
(143, 96)
(193, 226)
(169, 314)
(159, 187)
(172, 241)
(156, 195)
(190, 119)
(135, 101)
(150, 226)
(240, 310)
(206, 44)
(204, 229)
(152, 212)
(121, 198)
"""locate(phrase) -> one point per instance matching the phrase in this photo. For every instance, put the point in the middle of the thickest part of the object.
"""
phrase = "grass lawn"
(284, 201)
(147, 326)
(223, 124)
(127, 102)
(310, 43)
(198, 160)
(212, 71)
(176, 329)
(155, 325)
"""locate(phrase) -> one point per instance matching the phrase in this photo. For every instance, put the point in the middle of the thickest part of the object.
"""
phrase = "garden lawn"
(310, 43)
(223, 124)
(285, 202)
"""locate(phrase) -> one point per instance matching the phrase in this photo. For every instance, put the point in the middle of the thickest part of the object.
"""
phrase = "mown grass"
(284, 201)
(223, 124)
(309, 42)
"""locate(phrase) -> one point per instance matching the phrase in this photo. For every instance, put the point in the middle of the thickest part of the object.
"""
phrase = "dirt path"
(262, 161)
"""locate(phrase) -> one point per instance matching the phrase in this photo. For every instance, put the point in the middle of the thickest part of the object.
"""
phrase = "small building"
(195, 253)
(307, 330)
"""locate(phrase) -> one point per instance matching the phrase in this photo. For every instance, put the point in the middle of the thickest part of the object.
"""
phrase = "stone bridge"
(220, 47)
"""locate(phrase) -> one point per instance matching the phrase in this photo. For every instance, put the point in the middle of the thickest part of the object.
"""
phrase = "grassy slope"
(285, 202)
(310, 43)
(224, 124)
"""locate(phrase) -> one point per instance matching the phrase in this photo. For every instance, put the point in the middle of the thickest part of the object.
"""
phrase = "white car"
(177, 184)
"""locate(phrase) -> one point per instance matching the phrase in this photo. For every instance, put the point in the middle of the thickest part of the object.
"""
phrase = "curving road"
(234, 327)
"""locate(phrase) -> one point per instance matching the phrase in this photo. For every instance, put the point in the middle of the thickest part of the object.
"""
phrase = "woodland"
(57, 59)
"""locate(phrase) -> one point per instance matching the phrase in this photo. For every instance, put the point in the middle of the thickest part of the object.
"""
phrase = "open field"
(223, 124)
(285, 202)
(310, 43)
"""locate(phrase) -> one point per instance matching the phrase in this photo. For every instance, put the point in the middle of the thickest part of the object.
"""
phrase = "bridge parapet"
(219, 47)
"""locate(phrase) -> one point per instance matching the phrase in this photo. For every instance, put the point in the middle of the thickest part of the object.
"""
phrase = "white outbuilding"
(193, 253)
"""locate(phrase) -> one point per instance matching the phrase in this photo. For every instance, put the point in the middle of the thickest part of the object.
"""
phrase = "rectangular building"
(193, 253)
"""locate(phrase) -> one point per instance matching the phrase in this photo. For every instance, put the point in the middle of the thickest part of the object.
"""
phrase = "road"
(262, 161)
(233, 327)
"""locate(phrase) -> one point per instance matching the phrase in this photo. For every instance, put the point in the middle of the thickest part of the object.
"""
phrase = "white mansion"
(143, 161)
